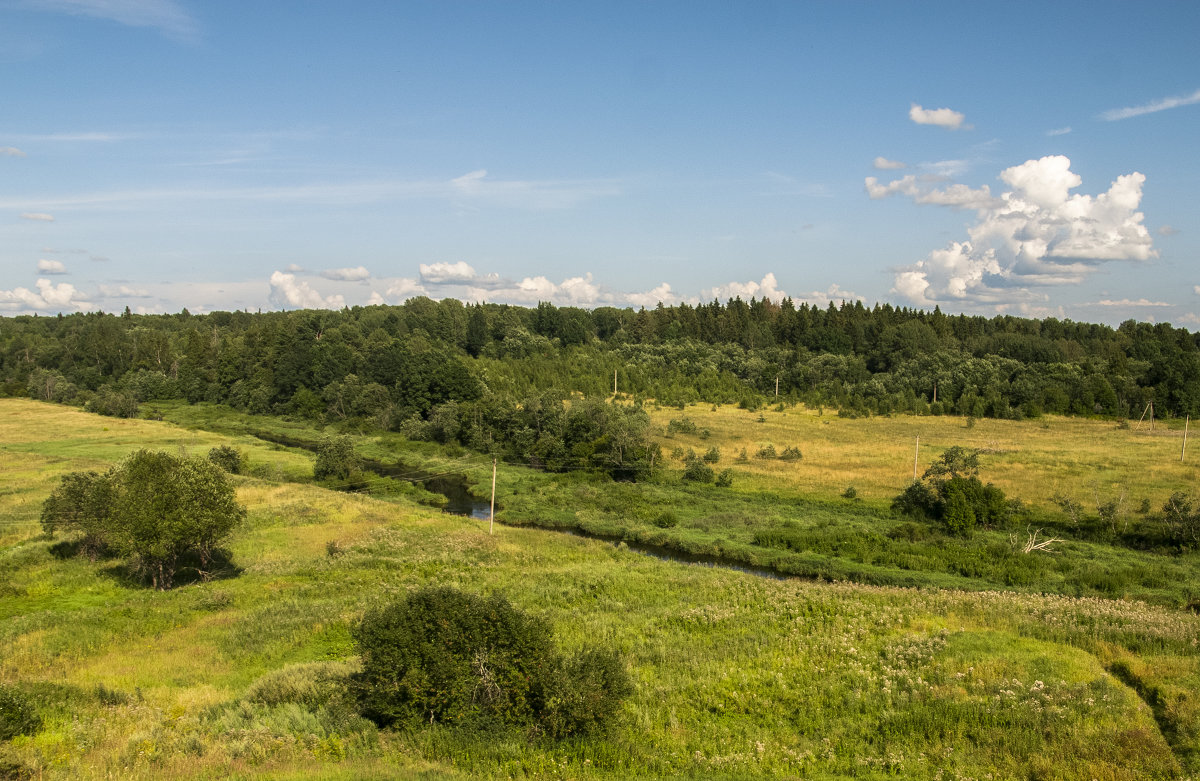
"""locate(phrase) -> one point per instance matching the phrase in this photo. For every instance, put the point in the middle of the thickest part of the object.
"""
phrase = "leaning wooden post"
(1183, 452)
(492, 513)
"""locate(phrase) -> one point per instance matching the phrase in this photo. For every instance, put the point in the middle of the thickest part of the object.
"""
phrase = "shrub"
(18, 715)
(336, 459)
(666, 520)
(791, 454)
(850, 493)
(117, 404)
(699, 472)
(766, 451)
(712, 455)
(228, 458)
(681, 426)
(311, 684)
(442, 655)
(725, 478)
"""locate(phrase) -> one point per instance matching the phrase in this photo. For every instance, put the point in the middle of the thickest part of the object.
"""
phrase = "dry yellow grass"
(1092, 461)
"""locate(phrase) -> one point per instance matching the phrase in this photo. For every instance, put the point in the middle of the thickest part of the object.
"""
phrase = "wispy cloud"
(10, 151)
(1167, 230)
(357, 274)
(166, 16)
(883, 164)
(941, 117)
(1125, 302)
(1152, 107)
(37, 216)
(1059, 131)
(533, 195)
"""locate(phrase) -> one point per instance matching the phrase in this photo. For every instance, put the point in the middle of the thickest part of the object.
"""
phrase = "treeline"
(391, 366)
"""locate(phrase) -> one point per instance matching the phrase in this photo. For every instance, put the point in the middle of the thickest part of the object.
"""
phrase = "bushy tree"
(228, 458)
(951, 492)
(153, 509)
(336, 459)
(445, 656)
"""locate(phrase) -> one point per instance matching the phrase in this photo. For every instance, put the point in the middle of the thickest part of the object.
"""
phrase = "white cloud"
(123, 291)
(376, 299)
(1037, 234)
(460, 273)
(404, 288)
(47, 298)
(823, 298)
(51, 267)
(1060, 131)
(10, 151)
(1196, 290)
(1167, 230)
(288, 292)
(883, 164)
(651, 298)
(767, 288)
(37, 216)
(922, 190)
(1124, 302)
(166, 16)
(357, 274)
(295, 268)
(1151, 108)
(942, 117)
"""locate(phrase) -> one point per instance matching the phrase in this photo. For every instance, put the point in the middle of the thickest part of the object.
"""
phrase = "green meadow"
(901, 652)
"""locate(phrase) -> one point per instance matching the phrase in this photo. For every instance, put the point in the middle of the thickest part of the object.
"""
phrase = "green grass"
(736, 675)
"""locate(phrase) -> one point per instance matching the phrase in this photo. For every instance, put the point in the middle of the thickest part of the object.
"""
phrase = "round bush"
(445, 656)
(18, 716)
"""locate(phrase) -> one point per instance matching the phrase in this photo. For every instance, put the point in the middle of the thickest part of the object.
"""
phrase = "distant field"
(1030, 459)
(737, 676)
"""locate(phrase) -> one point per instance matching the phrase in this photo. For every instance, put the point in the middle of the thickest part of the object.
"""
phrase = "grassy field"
(736, 675)
(1089, 460)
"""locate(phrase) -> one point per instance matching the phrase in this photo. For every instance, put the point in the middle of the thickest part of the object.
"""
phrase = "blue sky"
(1029, 158)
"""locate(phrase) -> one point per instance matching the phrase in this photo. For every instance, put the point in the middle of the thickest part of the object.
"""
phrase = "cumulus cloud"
(47, 298)
(295, 268)
(883, 164)
(460, 273)
(652, 298)
(357, 274)
(1152, 107)
(942, 117)
(37, 216)
(823, 298)
(1034, 235)
(51, 267)
(404, 288)
(10, 151)
(767, 288)
(1196, 290)
(287, 292)
(924, 190)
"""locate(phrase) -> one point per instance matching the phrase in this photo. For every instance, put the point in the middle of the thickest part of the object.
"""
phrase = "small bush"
(725, 478)
(791, 454)
(336, 460)
(18, 715)
(666, 520)
(850, 493)
(583, 694)
(681, 426)
(228, 458)
(766, 451)
(712, 455)
(312, 685)
(698, 472)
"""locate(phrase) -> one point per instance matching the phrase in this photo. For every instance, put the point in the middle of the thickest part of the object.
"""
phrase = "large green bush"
(443, 656)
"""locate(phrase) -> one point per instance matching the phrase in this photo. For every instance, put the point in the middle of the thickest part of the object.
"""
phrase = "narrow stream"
(460, 501)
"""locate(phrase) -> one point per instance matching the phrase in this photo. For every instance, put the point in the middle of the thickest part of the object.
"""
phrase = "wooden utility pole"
(614, 382)
(776, 384)
(492, 514)
(916, 455)
(1186, 421)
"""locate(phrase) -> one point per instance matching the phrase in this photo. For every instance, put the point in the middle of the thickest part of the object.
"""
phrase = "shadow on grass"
(189, 571)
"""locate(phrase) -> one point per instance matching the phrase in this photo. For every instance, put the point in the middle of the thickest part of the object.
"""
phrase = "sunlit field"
(1031, 459)
(736, 675)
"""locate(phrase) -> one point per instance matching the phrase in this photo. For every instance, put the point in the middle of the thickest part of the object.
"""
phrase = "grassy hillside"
(736, 675)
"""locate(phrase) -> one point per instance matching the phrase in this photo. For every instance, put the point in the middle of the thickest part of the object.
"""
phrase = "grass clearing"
(736, 675)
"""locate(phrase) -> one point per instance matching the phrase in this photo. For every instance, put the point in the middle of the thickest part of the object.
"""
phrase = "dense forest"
(483, 373)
